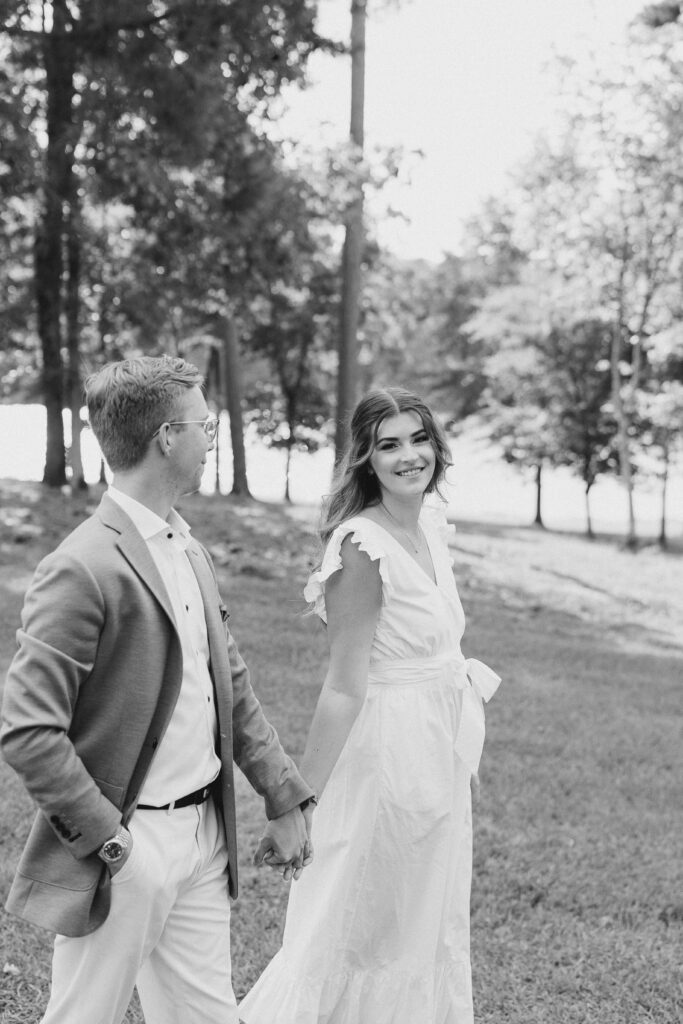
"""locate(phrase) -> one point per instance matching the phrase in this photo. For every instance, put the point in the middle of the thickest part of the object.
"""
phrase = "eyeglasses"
(210, 426)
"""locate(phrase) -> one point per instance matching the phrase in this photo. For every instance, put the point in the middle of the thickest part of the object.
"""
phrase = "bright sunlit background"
(480, 485)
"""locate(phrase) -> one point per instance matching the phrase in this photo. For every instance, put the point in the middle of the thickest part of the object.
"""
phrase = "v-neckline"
(434, 582)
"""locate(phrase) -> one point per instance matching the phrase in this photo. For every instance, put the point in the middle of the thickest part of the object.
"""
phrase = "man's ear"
(164, 439)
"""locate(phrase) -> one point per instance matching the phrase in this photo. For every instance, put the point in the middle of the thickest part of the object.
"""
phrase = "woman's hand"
(283, 844)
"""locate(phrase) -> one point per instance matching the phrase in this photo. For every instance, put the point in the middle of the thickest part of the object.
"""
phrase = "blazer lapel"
(135, 550)
(215, 626)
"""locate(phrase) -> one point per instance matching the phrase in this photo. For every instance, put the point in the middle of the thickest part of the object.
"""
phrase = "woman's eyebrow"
(421, 430)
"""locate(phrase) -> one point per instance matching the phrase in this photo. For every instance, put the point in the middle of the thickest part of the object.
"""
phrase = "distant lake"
(480, 485)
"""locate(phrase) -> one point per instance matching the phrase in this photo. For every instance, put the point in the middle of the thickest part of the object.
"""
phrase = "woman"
(377, 929)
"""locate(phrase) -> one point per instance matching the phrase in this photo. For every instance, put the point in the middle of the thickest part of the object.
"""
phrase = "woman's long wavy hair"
(355, 487)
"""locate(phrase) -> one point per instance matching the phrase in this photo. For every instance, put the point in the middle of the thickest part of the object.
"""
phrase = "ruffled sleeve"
(368, 539)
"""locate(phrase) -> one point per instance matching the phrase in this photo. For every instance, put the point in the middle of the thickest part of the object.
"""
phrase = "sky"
(464, 82)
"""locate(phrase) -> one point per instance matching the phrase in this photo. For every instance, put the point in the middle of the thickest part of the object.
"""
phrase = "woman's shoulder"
(356, 534)
(359, 531)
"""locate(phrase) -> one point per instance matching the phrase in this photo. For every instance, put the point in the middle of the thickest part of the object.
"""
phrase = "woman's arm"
(353, 598)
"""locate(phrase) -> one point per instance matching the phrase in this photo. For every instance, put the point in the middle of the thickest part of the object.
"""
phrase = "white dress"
(377, 928)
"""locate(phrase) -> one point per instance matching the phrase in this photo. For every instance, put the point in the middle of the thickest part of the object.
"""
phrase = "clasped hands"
(285, 845)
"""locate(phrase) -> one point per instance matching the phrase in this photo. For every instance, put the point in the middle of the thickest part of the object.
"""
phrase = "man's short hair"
(130, 399)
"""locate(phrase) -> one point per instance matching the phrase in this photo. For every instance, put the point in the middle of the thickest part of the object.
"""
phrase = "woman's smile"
(401, 440)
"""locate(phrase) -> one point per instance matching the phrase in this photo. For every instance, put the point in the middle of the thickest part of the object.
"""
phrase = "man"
(124, 708)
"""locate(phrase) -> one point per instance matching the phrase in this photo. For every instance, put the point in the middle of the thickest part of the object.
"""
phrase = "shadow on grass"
(528, 531)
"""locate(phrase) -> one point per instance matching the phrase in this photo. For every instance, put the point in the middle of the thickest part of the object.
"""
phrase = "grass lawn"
(577, 902)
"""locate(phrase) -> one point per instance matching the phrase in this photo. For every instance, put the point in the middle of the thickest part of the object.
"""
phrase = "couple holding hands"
(127, 706)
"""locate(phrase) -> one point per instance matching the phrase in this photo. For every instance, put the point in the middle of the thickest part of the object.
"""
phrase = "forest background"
(148, 206)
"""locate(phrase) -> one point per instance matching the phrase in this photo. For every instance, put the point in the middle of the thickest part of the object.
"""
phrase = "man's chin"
(194, 486)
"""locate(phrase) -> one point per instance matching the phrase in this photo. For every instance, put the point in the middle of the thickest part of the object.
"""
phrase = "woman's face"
(403, 459)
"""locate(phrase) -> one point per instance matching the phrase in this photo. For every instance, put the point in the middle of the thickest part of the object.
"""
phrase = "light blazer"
(88, 698)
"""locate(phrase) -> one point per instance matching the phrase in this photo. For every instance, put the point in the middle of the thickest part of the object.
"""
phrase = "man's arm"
(272, 773)
(61, 622)
(257, 749)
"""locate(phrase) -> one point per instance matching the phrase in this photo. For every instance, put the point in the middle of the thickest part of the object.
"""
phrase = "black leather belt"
(198, 797)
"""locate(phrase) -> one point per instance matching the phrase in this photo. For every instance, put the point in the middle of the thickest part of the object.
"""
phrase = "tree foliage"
(571, 279)
(124, 101)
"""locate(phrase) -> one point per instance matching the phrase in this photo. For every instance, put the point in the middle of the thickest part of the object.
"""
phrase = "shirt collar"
(148, 523)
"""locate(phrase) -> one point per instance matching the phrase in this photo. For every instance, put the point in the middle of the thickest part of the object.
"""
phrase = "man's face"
(189, 442)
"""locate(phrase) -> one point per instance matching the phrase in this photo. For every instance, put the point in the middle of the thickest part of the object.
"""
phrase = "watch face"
(113, 850)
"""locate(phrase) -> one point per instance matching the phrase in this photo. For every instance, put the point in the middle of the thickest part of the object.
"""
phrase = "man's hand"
(283, 845)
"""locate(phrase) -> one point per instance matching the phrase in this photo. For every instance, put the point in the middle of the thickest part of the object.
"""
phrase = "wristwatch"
(114, 849)
(311, 800)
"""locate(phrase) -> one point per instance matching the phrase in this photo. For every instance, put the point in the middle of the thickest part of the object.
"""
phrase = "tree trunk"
(232, 383)
(663, 541)
(217, 450)
(623, 445)
(347, 378)
(74, 385)
(213, 387)
(291, 427)
(589, 521)
(288, 465)
(59, 68)
(538, 519)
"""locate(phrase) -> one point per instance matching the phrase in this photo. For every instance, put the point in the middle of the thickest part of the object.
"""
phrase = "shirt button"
(170, 536)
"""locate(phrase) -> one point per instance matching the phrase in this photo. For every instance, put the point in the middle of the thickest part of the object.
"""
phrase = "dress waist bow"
(475, 679)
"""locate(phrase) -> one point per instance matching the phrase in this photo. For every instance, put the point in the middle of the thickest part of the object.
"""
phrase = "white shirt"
(186, 758)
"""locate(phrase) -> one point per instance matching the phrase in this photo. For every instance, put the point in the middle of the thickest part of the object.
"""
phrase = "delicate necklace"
(394, 520)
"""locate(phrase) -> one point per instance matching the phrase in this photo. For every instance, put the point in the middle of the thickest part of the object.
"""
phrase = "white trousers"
(168, 931)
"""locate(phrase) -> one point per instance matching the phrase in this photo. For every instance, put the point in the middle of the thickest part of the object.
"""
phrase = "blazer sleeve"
(61, 622)
(256, 747)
